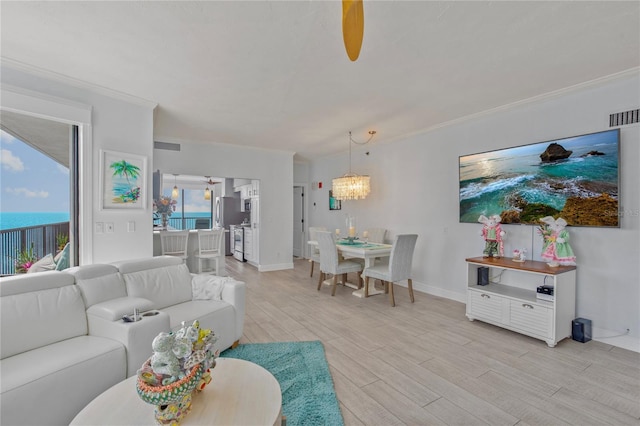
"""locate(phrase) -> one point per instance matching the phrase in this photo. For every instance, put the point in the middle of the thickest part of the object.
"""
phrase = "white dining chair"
(330, 263)
(174, 243)
(314, 254)
(376, 235)
(209, 247)
(398, 268)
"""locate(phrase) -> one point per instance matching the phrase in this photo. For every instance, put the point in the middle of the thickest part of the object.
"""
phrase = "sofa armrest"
(135, 336)
(234, 293)
(115, 309)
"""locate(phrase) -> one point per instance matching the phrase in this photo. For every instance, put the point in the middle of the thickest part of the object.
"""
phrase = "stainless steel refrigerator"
(228, 213)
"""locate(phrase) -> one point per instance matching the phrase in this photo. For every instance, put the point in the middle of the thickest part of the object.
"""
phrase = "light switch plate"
(99, 227)
(108, 227)
(131, 226)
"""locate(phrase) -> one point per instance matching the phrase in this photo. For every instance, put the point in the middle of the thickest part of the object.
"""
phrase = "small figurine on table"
(555, 247)
(493, 235)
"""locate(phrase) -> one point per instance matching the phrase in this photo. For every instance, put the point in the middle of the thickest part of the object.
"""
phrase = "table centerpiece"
(181, 364)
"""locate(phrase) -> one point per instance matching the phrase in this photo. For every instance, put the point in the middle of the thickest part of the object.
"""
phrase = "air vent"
(166, 146)
(623, 118)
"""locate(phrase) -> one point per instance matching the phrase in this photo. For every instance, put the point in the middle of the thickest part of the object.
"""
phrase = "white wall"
(415, 190)
(274, 169)
(119, 124)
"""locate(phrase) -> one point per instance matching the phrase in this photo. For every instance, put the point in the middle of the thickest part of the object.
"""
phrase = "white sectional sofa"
(51, 367)
(64, 341)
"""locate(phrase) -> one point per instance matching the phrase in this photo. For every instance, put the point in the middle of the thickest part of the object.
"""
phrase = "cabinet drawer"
(486, 305)
(531, 318)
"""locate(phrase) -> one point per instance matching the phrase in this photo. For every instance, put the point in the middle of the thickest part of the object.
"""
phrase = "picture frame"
(122, 181)
(333, 203)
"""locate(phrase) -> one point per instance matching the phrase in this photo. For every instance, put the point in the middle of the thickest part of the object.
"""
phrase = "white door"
(298, 221)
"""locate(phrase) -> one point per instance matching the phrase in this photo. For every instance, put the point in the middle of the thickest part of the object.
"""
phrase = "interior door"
(298, 221)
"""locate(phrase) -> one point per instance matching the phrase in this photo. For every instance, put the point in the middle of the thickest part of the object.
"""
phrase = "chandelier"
(352, 186)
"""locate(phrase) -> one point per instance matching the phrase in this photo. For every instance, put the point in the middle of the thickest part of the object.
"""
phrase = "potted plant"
(25, 259)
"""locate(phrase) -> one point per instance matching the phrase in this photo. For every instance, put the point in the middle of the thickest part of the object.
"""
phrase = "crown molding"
(80, 84)
(535, 99)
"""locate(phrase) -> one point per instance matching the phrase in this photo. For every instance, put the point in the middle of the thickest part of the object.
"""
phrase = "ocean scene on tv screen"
(574, 178)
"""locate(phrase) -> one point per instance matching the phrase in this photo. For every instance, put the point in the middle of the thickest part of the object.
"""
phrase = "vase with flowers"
(164, 206)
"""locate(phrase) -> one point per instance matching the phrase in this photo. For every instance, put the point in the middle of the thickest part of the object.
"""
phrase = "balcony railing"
(42, 237)
(196, 222)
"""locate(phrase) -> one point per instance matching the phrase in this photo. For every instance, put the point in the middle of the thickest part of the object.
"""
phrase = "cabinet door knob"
(526, 305)
(485, 295)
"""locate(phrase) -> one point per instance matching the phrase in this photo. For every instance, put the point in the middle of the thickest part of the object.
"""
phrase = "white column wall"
(274, 169)
(118, 123)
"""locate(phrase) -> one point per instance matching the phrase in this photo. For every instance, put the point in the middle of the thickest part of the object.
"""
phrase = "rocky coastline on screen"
(601, 210)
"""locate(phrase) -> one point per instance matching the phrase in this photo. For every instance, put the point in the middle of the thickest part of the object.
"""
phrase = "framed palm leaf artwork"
(122, 180)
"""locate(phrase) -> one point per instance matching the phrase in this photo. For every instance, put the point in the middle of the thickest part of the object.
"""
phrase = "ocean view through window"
(34, 199)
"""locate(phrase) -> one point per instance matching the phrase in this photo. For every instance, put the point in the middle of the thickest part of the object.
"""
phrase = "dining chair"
(174, 243)
(376, 235)
(314, 255)
(209, 247)
(330, 263)
(398, 268)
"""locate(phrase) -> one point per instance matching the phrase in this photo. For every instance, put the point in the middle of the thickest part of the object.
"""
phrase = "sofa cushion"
(98, 283)
(44, 264)
(63, 259)
(165, 286)
(25, 283)
(39, 318)
(217, 316)
(50, 385)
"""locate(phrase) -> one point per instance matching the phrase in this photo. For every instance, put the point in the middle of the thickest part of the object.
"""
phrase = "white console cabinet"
(510, 299)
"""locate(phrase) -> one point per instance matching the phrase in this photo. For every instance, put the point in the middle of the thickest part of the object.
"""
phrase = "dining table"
(361, 250)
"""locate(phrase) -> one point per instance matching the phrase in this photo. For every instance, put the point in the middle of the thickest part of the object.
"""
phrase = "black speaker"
(581, 330)
(483, 275)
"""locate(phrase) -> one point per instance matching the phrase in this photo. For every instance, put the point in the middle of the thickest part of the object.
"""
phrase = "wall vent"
(623, 118)
(166, 146)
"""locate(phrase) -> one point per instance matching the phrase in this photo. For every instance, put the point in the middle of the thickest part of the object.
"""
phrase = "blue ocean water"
(11, 220)
(491, 182)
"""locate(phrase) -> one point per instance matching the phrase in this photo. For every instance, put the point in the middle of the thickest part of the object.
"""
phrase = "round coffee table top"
(240, 393)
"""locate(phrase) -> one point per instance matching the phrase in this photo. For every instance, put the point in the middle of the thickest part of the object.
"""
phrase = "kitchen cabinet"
(510, 299)
(248, 244)
(255, 188)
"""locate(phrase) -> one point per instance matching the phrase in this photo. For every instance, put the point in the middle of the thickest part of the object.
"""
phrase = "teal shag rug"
(308, 396)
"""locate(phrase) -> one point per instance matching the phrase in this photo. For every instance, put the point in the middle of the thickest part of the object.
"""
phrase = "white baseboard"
(631, 343)
(437, 291)
(275, 267)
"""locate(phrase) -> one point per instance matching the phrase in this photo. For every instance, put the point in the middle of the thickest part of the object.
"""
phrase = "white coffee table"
(240, 393)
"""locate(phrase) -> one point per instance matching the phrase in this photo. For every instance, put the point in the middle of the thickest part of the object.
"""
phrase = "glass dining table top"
(362, 244)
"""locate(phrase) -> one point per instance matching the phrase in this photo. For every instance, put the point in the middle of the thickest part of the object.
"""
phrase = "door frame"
(305, 218)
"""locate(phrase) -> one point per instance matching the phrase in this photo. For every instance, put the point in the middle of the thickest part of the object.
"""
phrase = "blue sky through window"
(29, 180)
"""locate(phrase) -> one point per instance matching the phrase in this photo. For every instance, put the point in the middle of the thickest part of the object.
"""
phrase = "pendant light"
(352, 186)
(207, 191)
(174, 191)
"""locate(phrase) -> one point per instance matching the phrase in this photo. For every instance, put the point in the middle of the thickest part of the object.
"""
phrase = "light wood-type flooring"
(425, 363)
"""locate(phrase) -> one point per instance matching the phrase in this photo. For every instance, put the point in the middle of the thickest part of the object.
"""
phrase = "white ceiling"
(275, 74)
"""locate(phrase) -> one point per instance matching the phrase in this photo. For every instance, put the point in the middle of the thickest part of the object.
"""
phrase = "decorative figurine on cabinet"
(493, 236)
(555, 247)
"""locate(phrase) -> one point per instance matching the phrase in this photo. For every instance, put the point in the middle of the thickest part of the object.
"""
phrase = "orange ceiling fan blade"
(352, 27)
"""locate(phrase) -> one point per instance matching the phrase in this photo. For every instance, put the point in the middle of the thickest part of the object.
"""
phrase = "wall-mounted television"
(576, 178)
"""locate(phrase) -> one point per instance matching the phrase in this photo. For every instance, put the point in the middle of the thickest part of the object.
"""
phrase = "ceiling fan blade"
(352, 27)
